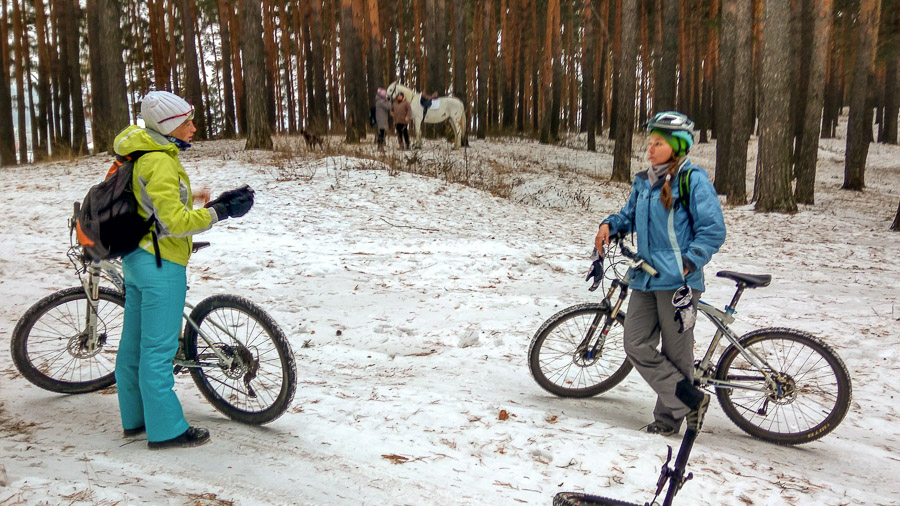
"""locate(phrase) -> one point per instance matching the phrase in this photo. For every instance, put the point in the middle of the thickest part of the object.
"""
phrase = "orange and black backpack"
(108, 224)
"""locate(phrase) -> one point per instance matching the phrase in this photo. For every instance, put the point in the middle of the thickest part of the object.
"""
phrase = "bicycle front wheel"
(570, 357)
(257, 381)
(807, 393)
(51, 345)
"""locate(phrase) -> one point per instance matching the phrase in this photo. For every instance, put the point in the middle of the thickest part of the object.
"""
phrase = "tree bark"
(547, 71)
(725, 100)
(483, 69)
(352, 66)
(808, 151)
(461, 18)
(588, 115)
(318, 109)
(192, 91)
(228, 127)
(258, 129)
(73, 37)
(7, 134)
(859, 123)
(665, 86)
(892, 75)
(739, 122)
(108, 98)
(891, 100)
(625, 96)
(773, 171)
(43, 64)
(19, 65)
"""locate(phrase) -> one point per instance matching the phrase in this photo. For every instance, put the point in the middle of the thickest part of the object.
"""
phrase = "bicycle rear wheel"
(809, 394)
(50, 344)
(258, 384)
(564, 360)
(576, 499)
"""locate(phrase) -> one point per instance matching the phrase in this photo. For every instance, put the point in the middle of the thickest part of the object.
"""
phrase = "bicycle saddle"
(750, 280)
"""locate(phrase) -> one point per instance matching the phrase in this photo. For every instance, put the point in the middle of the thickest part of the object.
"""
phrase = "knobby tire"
(816, 401)
(48, 343)
(559, 369)
(263, 359)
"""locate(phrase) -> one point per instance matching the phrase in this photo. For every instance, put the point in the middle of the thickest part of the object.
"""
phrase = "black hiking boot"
(662, 428)
(137, 431)
(194, 436)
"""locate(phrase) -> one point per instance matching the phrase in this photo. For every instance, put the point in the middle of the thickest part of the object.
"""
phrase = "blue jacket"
(666, 239)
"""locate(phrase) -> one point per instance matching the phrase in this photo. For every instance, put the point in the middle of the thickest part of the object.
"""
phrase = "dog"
(312, 140)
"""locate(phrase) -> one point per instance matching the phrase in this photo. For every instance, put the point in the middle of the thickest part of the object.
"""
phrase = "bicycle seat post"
(731, 308)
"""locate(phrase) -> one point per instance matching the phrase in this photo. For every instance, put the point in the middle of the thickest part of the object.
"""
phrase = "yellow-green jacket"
(164, 192)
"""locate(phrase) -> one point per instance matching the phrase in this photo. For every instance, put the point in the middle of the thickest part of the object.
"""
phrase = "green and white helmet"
(677, 128)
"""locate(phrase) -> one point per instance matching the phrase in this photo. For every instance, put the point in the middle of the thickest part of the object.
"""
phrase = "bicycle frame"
(721, 319)
(90, 273)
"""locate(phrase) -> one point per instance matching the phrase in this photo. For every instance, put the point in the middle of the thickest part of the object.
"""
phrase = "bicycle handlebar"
(636, 263)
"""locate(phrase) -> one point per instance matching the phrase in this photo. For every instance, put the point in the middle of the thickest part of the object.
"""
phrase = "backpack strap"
(684, 193)
(133, 158)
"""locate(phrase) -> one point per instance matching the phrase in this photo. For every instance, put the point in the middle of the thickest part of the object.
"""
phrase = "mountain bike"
(780, 385)
(233, 350)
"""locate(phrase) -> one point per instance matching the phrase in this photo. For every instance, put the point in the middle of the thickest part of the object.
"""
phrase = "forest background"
(73, 72)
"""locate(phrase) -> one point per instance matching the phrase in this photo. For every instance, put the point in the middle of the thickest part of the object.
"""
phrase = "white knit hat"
(163, 111)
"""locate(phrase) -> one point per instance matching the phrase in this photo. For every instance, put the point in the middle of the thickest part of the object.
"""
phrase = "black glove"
(228, 195)
(233, 203)
(596, 271)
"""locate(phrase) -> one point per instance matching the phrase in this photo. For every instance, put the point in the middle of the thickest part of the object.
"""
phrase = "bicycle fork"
(601, 340)
(90, 339)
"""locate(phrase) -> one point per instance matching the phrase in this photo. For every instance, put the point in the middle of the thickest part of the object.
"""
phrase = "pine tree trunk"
(724, 98)
(109, 102)
(318, 109)
(192, 91)
(505, 63)
(547, 81)
(892, 73)
(79, 134)
(664, 97)
(461, 18)
(237, 71)
(228, 128)
(19, 65)
(588, 115)
(376, 75)
(484, 69)
(773, 171)
(739, 121)
(615, 15)
(808, 151)
(99, 103)
(352, 66)
(891, 100)
(625, 95)
(43, 63)
(556, 88)
(258, 128)
(859, 124)
(7, 134)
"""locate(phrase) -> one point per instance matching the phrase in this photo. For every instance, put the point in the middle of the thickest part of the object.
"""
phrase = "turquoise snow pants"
(154, 302)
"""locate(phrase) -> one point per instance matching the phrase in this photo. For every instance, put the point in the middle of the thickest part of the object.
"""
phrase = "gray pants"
(651, 315)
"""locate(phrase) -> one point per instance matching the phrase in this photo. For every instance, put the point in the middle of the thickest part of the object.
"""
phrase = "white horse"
(442, 109)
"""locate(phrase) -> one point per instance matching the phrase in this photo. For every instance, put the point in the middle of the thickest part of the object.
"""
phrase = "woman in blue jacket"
(677, 240)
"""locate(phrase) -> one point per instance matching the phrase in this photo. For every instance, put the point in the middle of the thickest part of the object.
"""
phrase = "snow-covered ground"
(436, 289)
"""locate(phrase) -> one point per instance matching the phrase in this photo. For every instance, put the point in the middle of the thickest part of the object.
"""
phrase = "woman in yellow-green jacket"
(155, 277)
